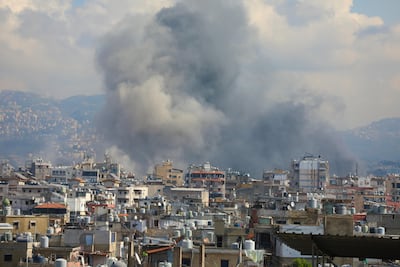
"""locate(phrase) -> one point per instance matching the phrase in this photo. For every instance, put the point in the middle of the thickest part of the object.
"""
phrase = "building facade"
(310, 174)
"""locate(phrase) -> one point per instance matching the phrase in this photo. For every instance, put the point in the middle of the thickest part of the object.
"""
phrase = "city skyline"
(247, 83)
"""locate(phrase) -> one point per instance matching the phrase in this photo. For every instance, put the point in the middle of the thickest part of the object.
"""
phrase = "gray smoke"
(190, 84)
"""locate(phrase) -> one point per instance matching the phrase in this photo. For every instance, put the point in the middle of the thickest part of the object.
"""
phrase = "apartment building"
(209, 177)
(168, 174)
(310, 174)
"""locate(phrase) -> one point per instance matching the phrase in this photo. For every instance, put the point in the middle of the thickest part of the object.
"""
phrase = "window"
(32, 224)
(7, 257)
(16, 225)
(186, 262)
(224, 263)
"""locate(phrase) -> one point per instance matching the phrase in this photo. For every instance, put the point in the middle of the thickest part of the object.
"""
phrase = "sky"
(345, 50)
(227, 68)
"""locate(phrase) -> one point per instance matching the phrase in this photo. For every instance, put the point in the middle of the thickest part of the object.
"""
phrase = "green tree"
(299, 262)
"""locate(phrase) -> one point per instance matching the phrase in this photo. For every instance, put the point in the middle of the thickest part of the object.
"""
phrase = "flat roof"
(385, 247)
(187, 189)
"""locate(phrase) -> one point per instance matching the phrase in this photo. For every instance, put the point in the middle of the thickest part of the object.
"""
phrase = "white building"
(310, 174)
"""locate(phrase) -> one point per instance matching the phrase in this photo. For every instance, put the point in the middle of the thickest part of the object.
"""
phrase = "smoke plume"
(193, 84)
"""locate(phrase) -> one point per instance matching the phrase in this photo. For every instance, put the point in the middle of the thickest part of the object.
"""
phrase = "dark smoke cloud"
(184, 85)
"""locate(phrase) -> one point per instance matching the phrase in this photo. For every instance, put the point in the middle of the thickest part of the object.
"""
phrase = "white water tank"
(249, 244)
(352, 210)
(187, 243)
(210, 236)
(164, 264)
(8, 236)
(177, 233)
(8, 210)
(380, 230)
(313, 203)
(50, 230)
(341, 209)
(235, 245)
(86, 219)
(44, 242)
(60, 263)
(189, 233)
(357, 229)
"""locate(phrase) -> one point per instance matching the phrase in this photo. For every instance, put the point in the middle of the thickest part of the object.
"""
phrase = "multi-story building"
(127, 196)
(62, 174)
(207, 176)
(277, 180)
(310, 174)
(168, 174)
(77, 200)
(6, 169)
(40, 169)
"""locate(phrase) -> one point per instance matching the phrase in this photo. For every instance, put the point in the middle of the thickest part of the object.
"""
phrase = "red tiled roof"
(51, 206)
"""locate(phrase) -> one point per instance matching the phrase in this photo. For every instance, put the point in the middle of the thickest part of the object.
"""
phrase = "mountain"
(64, 130)
(59, 130)
(377, 145)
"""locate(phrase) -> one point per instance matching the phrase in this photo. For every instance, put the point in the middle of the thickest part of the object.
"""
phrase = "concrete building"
(168, 174)
(14, 253)
(310, 174)
(61, 174)
(96, 244)
(189, 196)
(5, 169)
(128, 195)
(34, 224)
(209, 177)
(40, 169)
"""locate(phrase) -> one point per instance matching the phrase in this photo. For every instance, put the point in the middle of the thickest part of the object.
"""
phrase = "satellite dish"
(138, 258)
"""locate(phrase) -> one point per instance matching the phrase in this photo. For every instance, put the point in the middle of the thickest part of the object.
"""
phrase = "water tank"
(365, 228)
(26, 237)
(352, 210)
(142, 210)
(249, 244)
(313, 203)
(50, 231)
(116, 218)
(8, 236)
(17, 212)
(177, 233)
(189, 233)
(86, 219)
(341, 209)
(372, 230)
(357, 229)
(382, 210)
(110, 218)
(210, 236)
(380, 230)
(235, 245)
(8, 210)
(44, 242)
(60, 263)
(164, 264)
(39, 259)
(187, 243)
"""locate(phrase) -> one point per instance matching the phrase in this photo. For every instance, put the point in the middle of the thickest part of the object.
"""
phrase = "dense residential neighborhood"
(93, 213)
